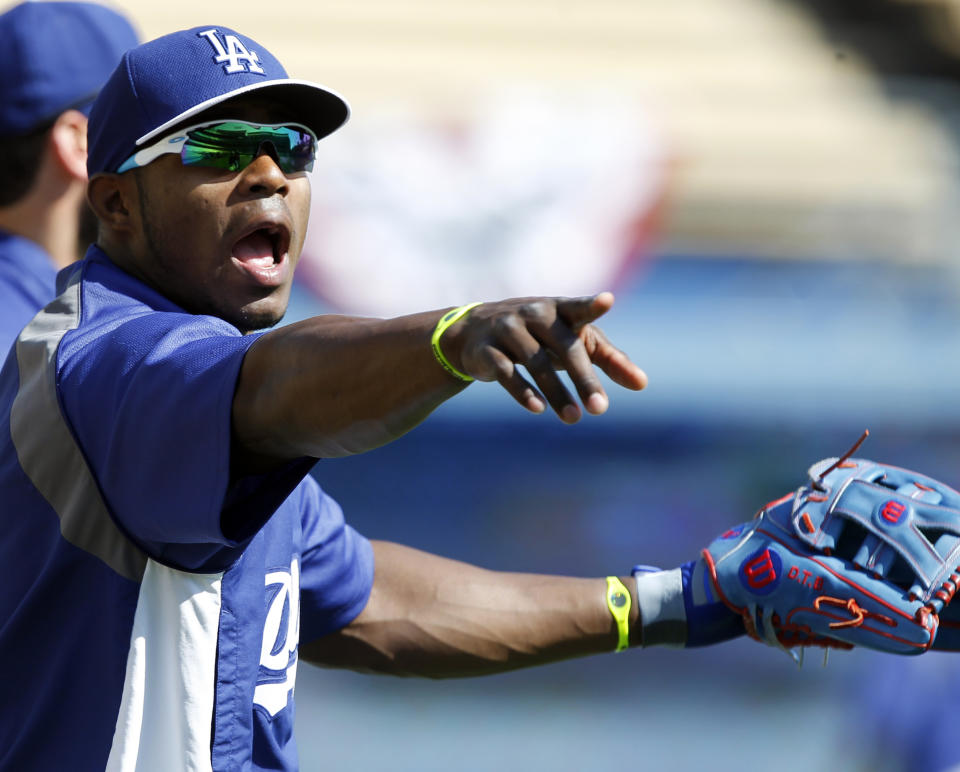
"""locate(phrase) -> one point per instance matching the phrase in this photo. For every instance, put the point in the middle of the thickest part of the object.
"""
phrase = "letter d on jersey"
(281, 634)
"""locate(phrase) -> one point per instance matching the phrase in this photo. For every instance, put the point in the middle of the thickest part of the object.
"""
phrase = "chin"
(249, 314)
(251, 318)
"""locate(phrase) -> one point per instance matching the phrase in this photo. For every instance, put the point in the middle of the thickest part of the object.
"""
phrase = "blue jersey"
(27, 282)
(150, 604)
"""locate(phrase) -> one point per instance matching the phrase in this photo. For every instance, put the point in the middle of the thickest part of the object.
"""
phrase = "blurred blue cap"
(56, 56)
(166, 82)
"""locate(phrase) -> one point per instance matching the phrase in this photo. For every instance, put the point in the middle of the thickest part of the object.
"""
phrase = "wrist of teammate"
(679, 608)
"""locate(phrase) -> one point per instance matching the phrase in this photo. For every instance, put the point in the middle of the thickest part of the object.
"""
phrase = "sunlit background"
(770, 187)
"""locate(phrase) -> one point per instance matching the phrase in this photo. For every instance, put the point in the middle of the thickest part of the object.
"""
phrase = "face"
(218, 242)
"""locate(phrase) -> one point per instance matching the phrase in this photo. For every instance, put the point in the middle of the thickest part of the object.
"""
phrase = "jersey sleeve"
(27, 281)
(150, 404)
(336, 566)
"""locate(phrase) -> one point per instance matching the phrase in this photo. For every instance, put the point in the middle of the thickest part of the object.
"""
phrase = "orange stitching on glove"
(922, 618)
(948, 589)
(946, 592)
(841, 462)
(748, 623)
(850, 605)
(859, 614)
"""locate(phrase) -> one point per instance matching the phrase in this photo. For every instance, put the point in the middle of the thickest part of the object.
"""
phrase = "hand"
(544, 335)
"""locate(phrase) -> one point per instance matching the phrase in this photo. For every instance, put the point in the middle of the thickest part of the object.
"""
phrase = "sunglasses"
(233, 145)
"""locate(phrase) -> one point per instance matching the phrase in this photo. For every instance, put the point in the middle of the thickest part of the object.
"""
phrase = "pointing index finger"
(577, 312)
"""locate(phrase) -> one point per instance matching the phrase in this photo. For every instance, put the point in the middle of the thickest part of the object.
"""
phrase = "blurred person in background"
(57, 55)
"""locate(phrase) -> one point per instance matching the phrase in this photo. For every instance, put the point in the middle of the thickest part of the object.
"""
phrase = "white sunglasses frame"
(173, 143)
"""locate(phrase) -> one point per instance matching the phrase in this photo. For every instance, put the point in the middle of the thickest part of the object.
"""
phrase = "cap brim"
(321, 109)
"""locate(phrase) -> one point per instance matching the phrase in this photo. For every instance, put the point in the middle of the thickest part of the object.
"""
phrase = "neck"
(53, 224)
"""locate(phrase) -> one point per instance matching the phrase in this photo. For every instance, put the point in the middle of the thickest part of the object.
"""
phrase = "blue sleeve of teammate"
(336, 566)
(27, 282)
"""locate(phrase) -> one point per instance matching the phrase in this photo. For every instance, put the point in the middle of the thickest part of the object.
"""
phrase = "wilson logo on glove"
(761, 572)
(893, 511)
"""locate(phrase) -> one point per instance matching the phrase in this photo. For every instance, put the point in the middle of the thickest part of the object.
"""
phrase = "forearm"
(333, 386)
(439, 618)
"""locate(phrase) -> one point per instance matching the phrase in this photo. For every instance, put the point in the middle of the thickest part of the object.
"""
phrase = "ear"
(68, 141)
(110, 197)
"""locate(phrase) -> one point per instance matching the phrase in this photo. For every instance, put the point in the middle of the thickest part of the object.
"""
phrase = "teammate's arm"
(439, 618)
(333, 386)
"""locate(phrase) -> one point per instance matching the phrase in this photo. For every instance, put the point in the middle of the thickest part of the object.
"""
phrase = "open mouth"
(262, 252)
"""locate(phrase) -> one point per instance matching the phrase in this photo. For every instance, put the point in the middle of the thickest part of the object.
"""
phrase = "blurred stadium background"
(771, 187)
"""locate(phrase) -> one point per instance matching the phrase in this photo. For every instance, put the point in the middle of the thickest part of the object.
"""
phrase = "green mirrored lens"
(232, 145)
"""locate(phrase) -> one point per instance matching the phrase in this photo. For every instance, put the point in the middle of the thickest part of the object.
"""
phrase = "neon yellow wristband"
(618, 601)
(445, 321)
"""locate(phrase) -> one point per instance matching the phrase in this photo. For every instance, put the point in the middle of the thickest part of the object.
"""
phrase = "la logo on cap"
(230, 51)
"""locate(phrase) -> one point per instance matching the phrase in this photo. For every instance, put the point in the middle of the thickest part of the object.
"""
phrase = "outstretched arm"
(334, 385)
(440, 618)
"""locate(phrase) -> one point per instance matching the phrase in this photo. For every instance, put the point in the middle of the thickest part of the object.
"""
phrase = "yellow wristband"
(618, 601)
(445, 321)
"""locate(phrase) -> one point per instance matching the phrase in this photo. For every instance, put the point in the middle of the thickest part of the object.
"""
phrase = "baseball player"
(166, 558)
(57, 56)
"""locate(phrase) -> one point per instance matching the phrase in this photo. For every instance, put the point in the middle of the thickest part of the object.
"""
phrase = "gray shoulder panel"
(48, 453)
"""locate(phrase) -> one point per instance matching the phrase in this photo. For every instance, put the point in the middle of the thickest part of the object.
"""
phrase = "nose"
(263, 176)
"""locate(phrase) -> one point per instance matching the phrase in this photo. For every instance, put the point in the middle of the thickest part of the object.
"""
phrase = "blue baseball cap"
(56, 56)
(164, 83)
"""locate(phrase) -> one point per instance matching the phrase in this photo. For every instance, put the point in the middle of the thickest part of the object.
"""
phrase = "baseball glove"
(865, 554)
